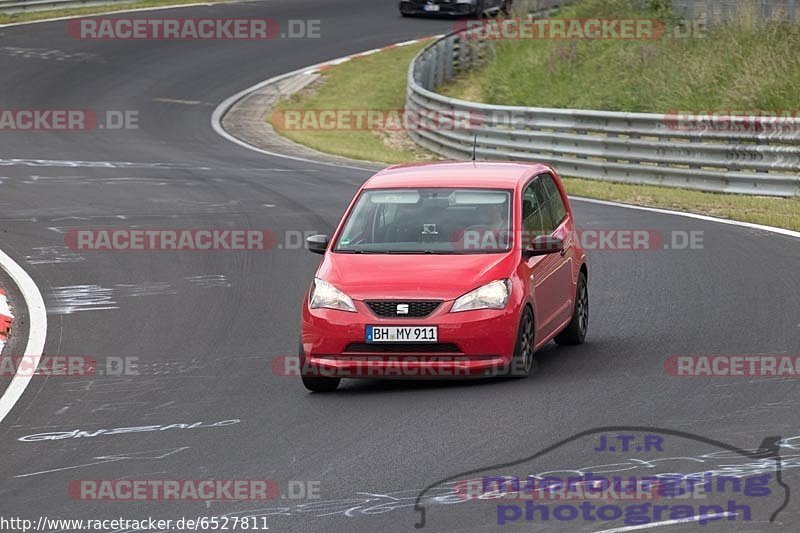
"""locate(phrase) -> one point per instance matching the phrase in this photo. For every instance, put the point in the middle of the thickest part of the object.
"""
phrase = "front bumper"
(417, 7)
(471, 343)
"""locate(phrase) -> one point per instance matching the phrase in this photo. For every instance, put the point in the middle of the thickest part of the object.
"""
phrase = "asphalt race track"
(205, 326)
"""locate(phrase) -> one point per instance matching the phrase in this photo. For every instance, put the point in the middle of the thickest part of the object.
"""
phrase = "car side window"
(548, 224)
(532, 220)
(557, 207)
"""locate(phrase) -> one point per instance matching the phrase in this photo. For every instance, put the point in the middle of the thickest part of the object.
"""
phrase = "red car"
(445, 270)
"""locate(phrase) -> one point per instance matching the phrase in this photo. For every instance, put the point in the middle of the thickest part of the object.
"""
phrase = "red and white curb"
(5, 320)
(325, 66)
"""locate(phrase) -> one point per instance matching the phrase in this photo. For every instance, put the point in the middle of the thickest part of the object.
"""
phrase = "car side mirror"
(318, 243)
(544, 245)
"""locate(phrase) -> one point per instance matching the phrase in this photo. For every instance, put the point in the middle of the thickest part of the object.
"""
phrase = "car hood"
(424, 276)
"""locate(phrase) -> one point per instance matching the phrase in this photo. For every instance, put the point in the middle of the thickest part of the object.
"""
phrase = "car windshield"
(433, 220)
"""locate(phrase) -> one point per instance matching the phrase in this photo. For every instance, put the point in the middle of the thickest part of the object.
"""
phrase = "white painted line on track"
(666, 523)
(222, 108)
(37, 331)
(772, 229)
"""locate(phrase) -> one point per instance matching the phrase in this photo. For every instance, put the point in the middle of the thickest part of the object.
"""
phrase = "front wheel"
(317, 383)
(575, 332)
(523, 362)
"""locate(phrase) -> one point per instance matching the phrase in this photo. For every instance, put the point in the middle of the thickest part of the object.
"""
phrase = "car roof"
(455, 174)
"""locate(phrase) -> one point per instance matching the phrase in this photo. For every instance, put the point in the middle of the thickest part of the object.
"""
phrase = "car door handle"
(563, 252)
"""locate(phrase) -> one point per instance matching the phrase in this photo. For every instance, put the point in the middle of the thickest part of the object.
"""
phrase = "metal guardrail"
(20, 6)
(716, 11)
(641, 148)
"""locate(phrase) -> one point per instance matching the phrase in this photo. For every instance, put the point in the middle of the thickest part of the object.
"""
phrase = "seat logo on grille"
(402, 309)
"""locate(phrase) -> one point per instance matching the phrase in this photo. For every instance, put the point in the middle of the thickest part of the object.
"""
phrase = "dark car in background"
(474, 8)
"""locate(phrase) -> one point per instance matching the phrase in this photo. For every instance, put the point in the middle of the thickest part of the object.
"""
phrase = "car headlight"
(493, 295)
(323, 294)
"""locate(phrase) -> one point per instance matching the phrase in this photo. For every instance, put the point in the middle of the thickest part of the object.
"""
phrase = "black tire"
(506, 9)
(523, 362)
(317, 383)
(480, 9)
(575, 332)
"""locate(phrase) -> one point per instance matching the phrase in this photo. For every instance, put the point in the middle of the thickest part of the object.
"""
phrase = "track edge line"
(37, 331)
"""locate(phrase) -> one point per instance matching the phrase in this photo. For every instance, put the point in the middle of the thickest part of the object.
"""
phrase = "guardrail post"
(792, 10)
(466, 52)
(448, 59)
(761, 6)
(709, 13)
(458, 45)
(430, 82)
(441, 60)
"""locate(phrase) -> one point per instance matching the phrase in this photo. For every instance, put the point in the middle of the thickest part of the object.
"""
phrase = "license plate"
(430, 7)
(402, 333)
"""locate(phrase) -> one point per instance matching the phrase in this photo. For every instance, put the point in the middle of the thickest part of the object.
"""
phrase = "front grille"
(416, 309)
(432, 347)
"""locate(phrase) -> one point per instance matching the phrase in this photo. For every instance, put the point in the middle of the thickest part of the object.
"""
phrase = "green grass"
(375, 82)
(91, 10)
(379, 82)
(779, 212)
(744, 66)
